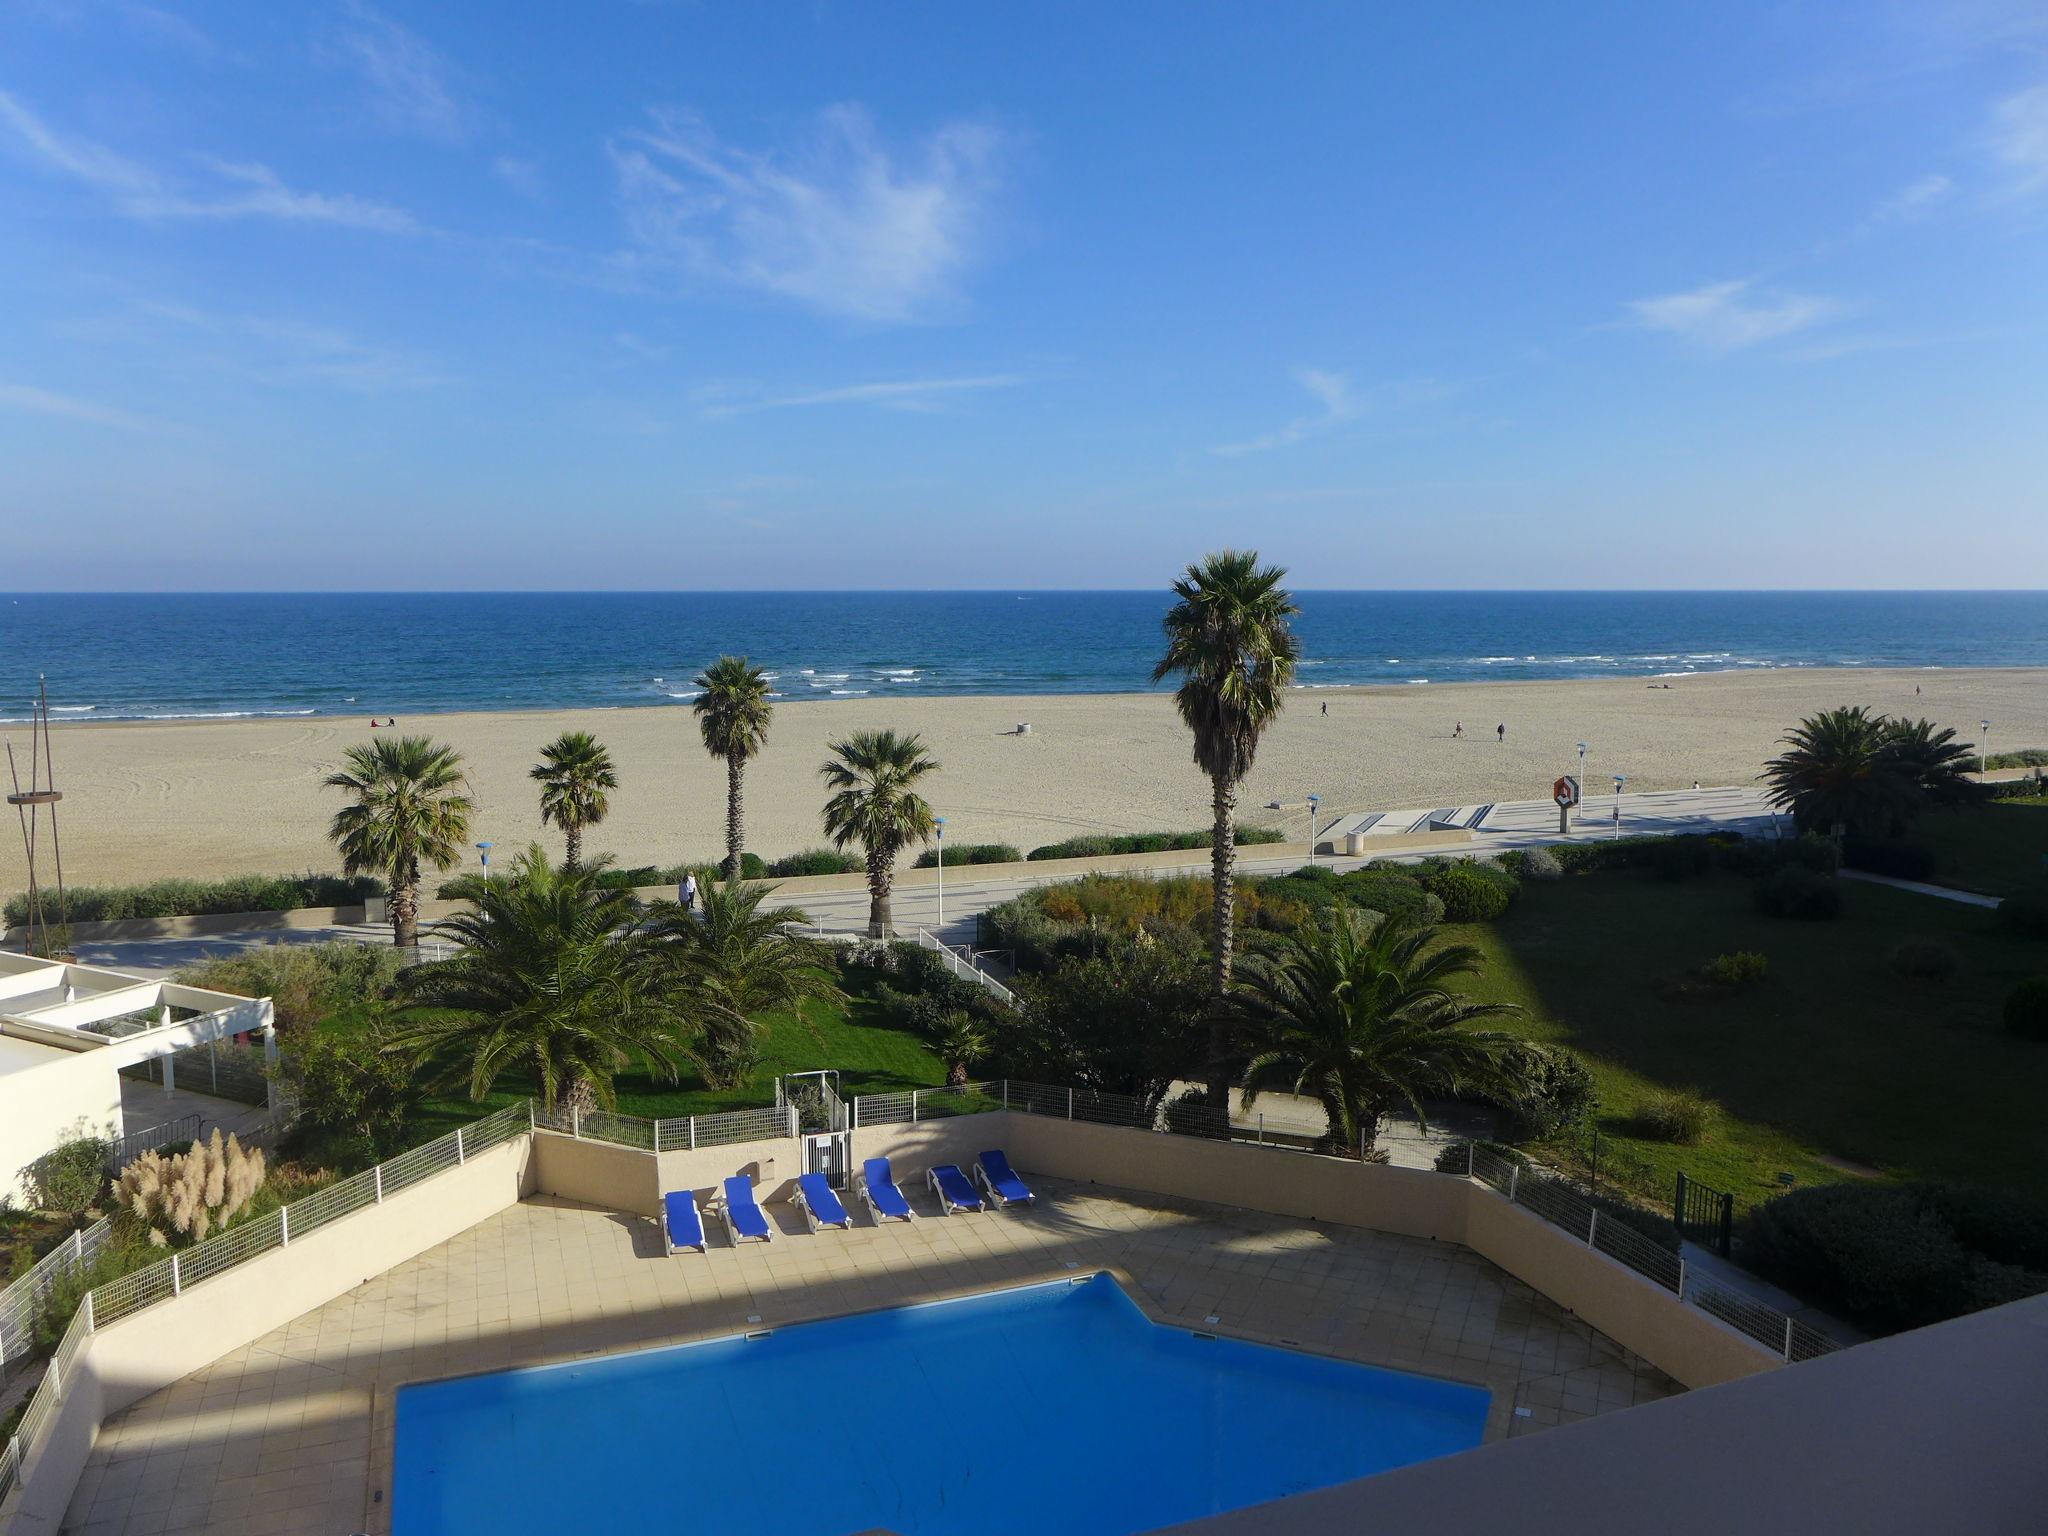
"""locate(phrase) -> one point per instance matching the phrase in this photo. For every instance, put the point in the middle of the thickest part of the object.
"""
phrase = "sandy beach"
(148, 800)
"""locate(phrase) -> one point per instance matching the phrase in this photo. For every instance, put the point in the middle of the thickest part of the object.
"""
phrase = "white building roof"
(49, 1005)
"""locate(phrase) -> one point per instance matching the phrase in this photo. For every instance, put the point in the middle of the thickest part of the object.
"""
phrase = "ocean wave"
(73, 709)
(687, 693)
(850, 693)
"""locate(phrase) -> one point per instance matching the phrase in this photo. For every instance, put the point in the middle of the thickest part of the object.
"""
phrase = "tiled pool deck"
(293, 1432)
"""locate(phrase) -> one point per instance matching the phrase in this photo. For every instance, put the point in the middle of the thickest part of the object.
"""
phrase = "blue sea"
(199, 656)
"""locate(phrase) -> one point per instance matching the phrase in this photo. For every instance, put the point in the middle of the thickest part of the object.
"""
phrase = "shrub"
(179, 1199)
(201, 898)
(1811, 851)
(351, 1096)
(814, 861)
(1742, 968)
(2026, 911)
(304, 982)
(69, 1177)
(1682, 858)
(2026, 1009)
(2026, 757)
(1895, 1256)
(1924, 960)
(1096, 847)
(1798, 892)
(971, 853)
(1471, 892)
(1539, 864)
(1391, 893)
(1682, 1117)
(1901, 861)
(1557, 1093)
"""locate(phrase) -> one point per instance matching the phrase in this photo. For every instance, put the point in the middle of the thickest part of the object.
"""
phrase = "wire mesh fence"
(24, 1303)
(685, 1133)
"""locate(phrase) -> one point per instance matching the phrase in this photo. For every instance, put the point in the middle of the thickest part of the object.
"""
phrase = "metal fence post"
(177, 1280)
(86, 1306)
(913, 1106)
(460, 1155)
(1006, 1093)
(1593, 1226)
(78, 1247)
(1471, 1159)
(693, 1133)
(575, 1121)
(1514, 1179)
(378, 1171)
(1070, 1103)
(1788, 1338)
(1681, 1277)
(530, 1125)
(284, 1226)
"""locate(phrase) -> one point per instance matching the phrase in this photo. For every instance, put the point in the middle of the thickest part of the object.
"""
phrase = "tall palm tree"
(1837, 774)
(410, 805)
(1228, 640)
(735, 963)
(875, 803)
(1930, 762)
(553, 975)
(575, 775)
(733, 713)
(1360, 1016)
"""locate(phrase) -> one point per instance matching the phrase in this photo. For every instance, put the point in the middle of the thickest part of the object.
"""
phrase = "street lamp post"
(1619, 780)
(484, 848)
(1984, 747)
(1582, 774)
(1313, 802)
(939, 822)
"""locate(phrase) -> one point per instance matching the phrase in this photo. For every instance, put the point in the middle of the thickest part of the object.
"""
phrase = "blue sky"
(636, 295)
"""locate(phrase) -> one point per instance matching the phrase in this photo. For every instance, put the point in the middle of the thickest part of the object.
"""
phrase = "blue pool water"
(1052, 1408)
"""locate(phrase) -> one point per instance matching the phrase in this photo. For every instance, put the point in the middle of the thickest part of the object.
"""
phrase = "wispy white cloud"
(1724, 317)
(1915, 200)
(1337, 401)
(838, 223)
(412, 89)
(46, 402)
(284, 351)
(522, 176)
(2019, 139)
(891, 394)
(230, 190)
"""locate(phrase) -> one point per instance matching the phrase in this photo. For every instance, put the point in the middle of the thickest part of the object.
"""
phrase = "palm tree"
(411, 805)
(872, 775)
(1361, 1017)
(1229, 641)
(735, 962)
(1930, 763)
(554, 976)
(574, 773)
(1838, 775)
(959, 1043)
(733, 712)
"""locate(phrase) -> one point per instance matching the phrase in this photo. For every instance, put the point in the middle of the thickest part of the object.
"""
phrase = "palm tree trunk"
(405, 907)
(1223, 933)
(735, 816)
(572, 838)
(580, 1097)
(881, 921)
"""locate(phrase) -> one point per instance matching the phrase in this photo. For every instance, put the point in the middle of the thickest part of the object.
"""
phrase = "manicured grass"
(1996, 847)
(1829, 1055)
(871, 1057)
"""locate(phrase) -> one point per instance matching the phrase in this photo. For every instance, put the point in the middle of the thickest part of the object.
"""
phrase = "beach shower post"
(1984, 746)
(939, 826)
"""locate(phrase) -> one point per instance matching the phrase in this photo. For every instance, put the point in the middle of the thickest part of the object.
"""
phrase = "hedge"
(1147, 842)
(971, 853)
(1893, 1256)
(1900, 860)
(200, 898)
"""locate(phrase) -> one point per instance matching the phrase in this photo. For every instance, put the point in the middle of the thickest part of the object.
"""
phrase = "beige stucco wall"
(772, 1164)
(127, 1360)
(595, 1173)
(64, 1093)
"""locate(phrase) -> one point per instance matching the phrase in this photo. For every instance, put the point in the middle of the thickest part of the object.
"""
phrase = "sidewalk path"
(1945, 892)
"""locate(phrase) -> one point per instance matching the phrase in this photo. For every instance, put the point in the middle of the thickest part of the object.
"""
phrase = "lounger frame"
(668, 1237)
(988, 1184)
(732, 1231)
(811, 1218)
(947, 1205)
(875, 1212)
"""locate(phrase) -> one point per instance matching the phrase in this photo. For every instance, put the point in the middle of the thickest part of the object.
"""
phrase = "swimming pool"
(1052, 1407)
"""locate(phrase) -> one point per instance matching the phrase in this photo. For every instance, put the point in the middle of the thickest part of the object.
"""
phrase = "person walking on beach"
(686, 893)
(1458, 731)
(1503, 730)
(1326, 709)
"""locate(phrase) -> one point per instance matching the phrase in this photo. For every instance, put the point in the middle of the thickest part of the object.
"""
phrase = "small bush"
(1682, 858)
(1901, 861)
(1742, 968)
(2026, 757)
(971, 853)
(2026, 911)
(1472, 892)
(1540, 864)
(1682, 1118)
(1557, 1093)
(1924, 960)
(1895, 1256)
(814, 861)
(69, 1178)
(1798, 892)
(1391, 893)
(2026, 1009)
(200, 898)
(304, 982)
(1098, 847)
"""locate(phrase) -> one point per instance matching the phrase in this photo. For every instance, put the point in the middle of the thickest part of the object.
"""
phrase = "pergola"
(85, 1008)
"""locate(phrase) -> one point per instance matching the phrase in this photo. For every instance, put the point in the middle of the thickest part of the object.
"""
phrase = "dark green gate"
(1704, 1214)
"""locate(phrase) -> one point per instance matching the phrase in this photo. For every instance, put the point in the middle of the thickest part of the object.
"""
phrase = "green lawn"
(1996, 847)
(870, 1055)
(1829, 1055)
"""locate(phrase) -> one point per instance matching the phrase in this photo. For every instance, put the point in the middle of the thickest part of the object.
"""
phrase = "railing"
(683, 1134)
(144, 1288)
(1560, 1204)
(124, 1151)
(966, 969)
(22, 1304)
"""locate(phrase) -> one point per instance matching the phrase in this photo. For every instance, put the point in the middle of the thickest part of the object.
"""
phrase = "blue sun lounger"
(680, 1222)
(955, 1191)
(820, 1206)
(1000, 1180)
(879, 1193)
(742, 1212)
